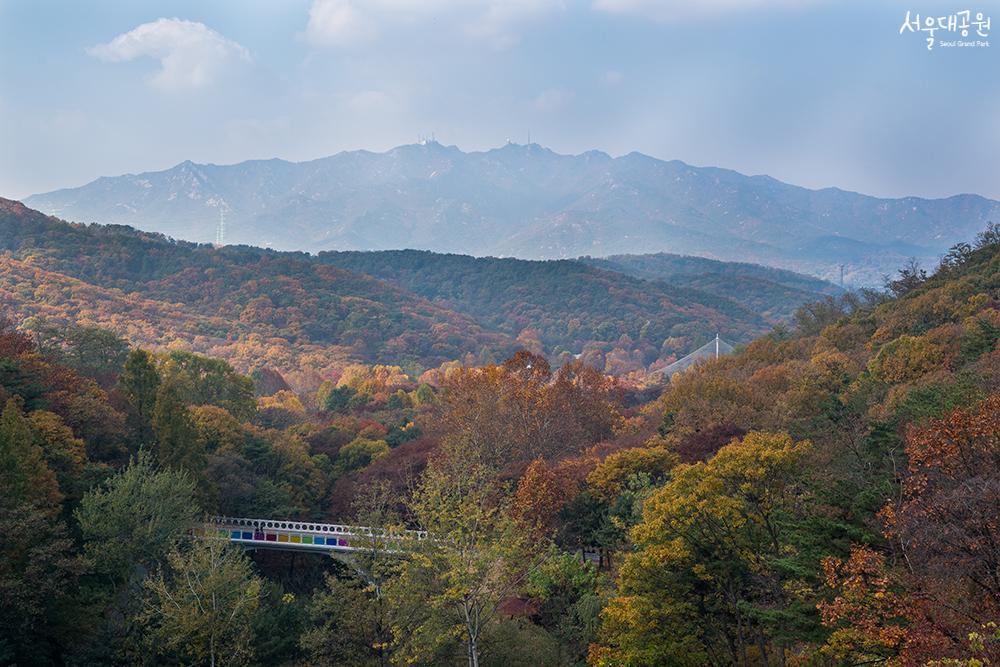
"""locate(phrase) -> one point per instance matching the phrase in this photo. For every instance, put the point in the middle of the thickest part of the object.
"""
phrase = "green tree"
(449, 589)
(424, 395)
(358, 455)
(206, 381)
(139, 383)
(332, 398)
(37, 577)
(135, 518)
(204, 605)
(344, 627)
(178, 446)
(91, 350)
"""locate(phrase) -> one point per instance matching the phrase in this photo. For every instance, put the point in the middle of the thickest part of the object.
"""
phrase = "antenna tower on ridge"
(220, 230)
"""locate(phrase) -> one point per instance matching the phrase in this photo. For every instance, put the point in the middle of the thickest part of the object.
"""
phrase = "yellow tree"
(705, 583)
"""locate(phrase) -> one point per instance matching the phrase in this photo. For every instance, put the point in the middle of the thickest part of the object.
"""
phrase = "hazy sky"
(813, 92)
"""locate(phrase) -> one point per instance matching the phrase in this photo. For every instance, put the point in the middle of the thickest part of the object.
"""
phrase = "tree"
(24, 475)
(424, 394)
(65, 454)
(910, 277)
(332, 398)
(343, 629)
(715, 550)
(91, 350)
(351, 617)
(449, 588)
(203, 605)
(358, 455)
(177, 444)
(139, 383)
(609, 478)
(136, 518)
(37, 576)
(944, 523)
(541, 493)
(37, 570)
(206, 381)
(571, 594)
(13, 343)
(519, 412)
(867, 615)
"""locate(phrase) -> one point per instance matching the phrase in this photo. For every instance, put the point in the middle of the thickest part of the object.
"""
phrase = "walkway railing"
(308, 535)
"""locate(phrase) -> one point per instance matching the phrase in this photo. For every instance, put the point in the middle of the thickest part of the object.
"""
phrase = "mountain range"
(529, 202)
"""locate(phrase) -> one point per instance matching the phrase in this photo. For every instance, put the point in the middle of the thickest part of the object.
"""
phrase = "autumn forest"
(825, 495)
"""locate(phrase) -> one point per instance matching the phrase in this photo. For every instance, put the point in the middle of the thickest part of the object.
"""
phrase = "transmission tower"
(220, 230)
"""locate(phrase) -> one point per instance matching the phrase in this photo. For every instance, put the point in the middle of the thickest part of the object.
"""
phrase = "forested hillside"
(774, 293)
(248, 305)
(563, 305)
(853, 521)
(827, 495)
(310, 316)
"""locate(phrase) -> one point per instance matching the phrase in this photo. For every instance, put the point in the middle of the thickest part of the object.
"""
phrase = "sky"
(813, 92)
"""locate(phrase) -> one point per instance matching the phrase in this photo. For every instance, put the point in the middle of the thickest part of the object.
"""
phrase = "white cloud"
(499, 18)
(350, 22)
(337, 23)
(191, 54)
(673, 10)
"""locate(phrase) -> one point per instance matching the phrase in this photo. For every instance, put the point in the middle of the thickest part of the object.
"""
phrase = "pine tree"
(177, 442)
(139, 383)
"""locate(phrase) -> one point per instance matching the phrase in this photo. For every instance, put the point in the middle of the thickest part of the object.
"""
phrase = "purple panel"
(258, 536)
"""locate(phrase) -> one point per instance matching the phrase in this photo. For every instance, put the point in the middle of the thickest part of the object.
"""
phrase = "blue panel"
(318, 540)
(247, 536)
(235, 535)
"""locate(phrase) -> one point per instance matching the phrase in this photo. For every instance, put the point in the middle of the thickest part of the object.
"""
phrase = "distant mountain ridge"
(527, 201)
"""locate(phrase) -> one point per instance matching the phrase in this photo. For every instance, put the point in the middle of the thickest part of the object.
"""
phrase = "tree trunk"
(473, 653)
